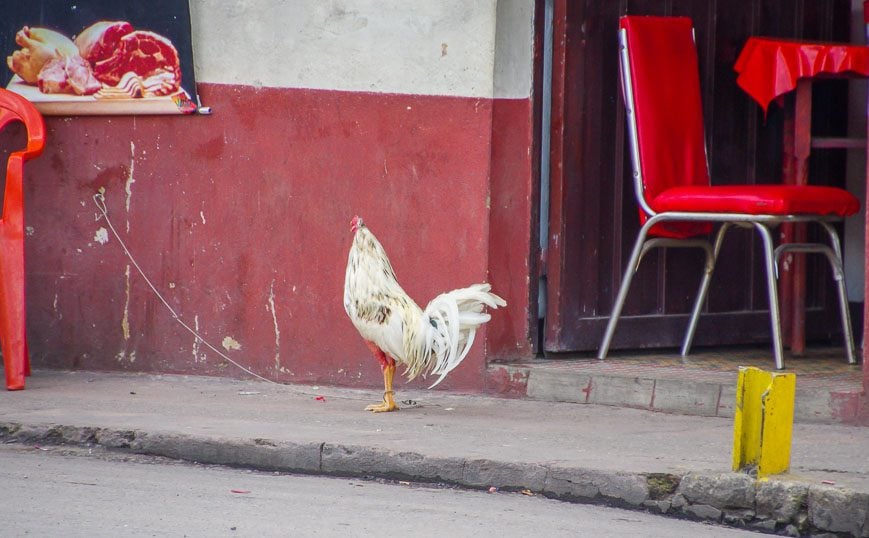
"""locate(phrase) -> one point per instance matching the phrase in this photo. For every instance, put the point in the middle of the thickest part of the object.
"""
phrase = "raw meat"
(38, 47)
(98, 41)
(114, 49)
(67, 74)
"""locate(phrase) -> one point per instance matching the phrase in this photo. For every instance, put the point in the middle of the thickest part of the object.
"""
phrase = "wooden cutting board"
(63, 104)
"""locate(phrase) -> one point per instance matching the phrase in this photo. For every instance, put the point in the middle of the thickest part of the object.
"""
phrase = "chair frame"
(13, 315)
(764, 224)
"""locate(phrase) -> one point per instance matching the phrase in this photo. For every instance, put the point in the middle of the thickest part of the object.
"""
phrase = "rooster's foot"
(388, 404)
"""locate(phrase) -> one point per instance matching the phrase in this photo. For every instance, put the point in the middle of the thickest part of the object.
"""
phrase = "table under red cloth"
(769, 68)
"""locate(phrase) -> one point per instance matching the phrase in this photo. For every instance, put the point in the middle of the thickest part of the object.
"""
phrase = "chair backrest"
(661, 85)
(13, 107)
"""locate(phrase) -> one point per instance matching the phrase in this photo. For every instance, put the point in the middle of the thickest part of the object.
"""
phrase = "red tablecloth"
(768, 68)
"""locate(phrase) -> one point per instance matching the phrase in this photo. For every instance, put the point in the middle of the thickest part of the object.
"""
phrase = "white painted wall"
(514, 49)
(473, 48)
(431, 47)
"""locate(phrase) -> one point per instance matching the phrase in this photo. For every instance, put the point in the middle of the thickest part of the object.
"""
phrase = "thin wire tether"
(100, 202)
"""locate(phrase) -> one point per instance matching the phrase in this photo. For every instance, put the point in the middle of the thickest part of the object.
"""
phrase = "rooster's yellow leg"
(388, 403)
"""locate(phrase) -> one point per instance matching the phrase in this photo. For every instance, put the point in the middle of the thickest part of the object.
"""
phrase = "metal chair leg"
(833, 253)
(623, 290)
(709, 268)
(839, 276)
(774, 317)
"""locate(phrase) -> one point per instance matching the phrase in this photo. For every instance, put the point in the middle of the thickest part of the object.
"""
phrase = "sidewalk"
(665, 463)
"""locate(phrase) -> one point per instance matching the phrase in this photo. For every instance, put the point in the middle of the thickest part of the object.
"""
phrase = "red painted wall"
(250, 206)
(512, 267)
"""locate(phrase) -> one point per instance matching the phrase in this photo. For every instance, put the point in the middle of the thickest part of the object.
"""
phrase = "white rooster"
(434, 340)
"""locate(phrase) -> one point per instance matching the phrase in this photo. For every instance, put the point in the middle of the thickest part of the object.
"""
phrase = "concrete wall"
(514, 181)
(416, 116)
(444, 47)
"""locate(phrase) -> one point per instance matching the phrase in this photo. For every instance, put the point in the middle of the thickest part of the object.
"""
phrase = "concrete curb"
(784, 507)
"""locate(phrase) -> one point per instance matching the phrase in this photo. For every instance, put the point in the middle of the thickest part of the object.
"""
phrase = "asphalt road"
(59, 491)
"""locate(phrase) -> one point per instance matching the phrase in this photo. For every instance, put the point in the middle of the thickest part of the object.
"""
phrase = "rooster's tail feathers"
(447, 329)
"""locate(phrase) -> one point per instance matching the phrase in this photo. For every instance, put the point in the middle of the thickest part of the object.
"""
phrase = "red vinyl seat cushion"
(757, 200)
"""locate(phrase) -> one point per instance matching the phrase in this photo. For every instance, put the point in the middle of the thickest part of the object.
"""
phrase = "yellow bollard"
(763, 421)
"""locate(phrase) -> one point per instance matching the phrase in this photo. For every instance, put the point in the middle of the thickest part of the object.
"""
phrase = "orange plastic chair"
(13, 315)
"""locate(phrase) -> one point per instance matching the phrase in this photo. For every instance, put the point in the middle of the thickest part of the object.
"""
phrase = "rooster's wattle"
(434, 340)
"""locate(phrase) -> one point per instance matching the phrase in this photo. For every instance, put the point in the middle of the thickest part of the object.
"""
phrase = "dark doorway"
(593, 215)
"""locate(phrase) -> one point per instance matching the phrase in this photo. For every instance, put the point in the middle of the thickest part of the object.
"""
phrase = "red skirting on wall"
(241, 220)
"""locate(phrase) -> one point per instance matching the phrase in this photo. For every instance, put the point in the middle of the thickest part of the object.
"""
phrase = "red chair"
(678, 205)
(13, 316)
